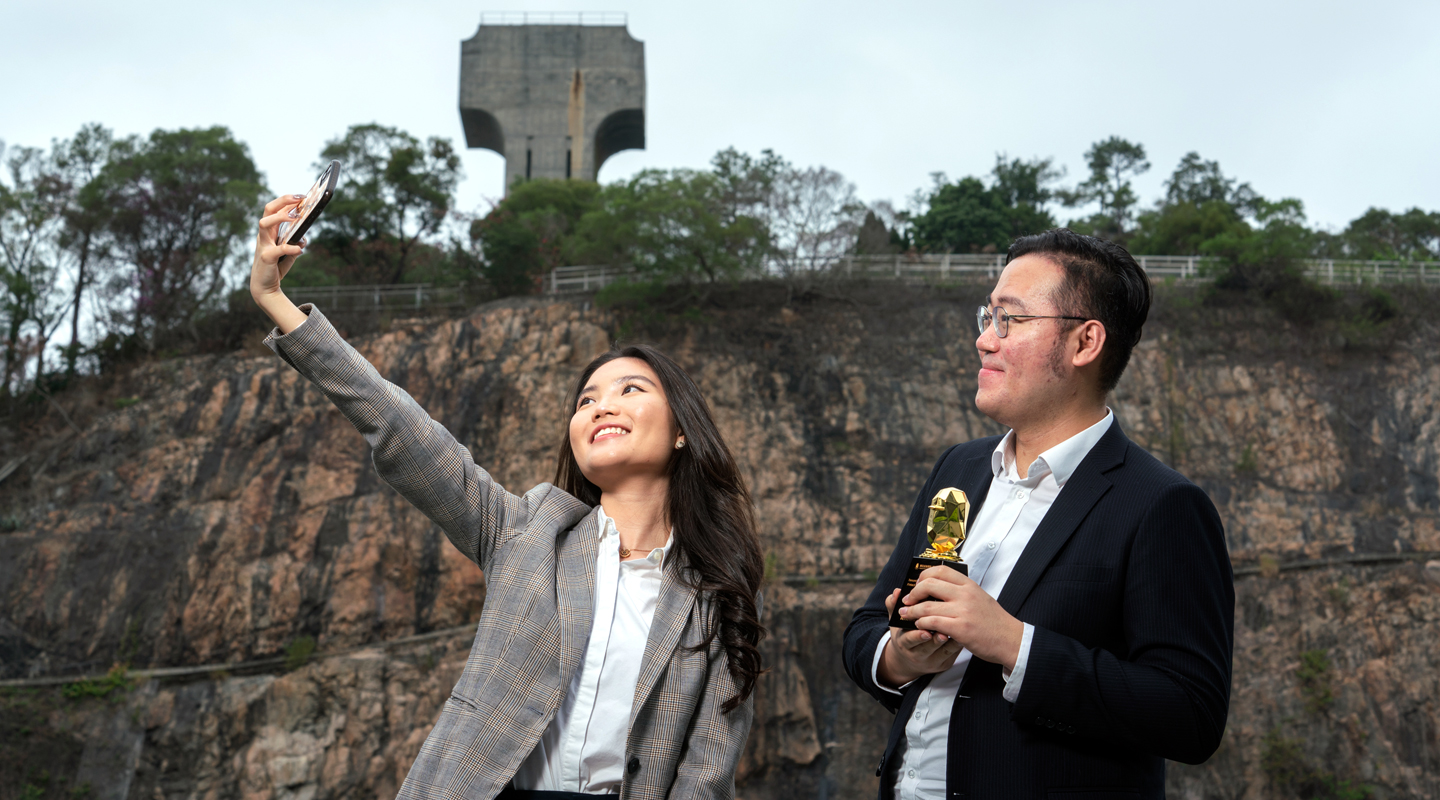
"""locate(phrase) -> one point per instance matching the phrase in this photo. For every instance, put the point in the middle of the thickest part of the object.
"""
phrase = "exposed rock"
(232, 511)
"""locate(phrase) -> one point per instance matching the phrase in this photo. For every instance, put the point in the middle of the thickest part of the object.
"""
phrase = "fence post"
(945, 267)
(417, 294)
(897, 265)
(553, 282)
(1330, 268)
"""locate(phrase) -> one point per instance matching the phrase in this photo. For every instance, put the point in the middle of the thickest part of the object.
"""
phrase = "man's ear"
(1089, 341)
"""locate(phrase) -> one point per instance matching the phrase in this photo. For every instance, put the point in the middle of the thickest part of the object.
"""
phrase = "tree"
(683, 225)
(874, 238)
(1023, 190)
(180, 202)
(1112, 163)
(1200, 204)
(31, 215)
(969, 217)
(81, 160)
(1382, 235)
(393, 193)
(813, 218)
(528, 233)
(964, 216)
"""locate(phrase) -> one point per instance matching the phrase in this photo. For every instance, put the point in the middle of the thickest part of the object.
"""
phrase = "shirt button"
(910, 774)
(1019, 494)
(990, 546)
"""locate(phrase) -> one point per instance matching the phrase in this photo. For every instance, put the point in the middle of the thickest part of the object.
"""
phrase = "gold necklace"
(625, 551)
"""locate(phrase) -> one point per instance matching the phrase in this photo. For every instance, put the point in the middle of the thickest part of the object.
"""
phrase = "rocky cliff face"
(231, 515)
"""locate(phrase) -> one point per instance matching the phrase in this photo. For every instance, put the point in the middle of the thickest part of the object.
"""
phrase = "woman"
(616, 652)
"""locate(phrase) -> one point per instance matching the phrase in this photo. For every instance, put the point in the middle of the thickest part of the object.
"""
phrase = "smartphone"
(292, 231)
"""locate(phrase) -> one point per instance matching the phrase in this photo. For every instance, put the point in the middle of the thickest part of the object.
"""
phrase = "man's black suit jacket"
(1127, 581)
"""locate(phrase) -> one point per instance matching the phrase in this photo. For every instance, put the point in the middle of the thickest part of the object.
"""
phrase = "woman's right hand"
(273, 261)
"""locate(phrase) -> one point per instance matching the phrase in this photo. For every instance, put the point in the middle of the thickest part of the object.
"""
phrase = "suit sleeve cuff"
(875, 667)
(1013, 678)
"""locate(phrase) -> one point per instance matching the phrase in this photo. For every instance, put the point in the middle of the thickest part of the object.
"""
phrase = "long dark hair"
(709, 508)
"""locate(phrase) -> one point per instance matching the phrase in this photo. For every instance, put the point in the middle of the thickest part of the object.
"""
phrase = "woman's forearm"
(280, 309)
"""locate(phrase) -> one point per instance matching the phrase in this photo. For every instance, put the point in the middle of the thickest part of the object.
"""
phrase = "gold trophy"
(946, 529)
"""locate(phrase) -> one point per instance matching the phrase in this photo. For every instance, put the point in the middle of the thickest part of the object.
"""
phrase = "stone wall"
(232, 512)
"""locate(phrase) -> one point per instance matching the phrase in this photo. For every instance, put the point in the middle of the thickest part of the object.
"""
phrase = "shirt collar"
(1062, 460)
(608, 529)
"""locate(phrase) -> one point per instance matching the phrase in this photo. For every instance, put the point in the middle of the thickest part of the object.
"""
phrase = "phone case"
(291, 232)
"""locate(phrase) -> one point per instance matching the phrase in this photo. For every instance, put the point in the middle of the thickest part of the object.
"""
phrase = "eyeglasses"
(1002, 319)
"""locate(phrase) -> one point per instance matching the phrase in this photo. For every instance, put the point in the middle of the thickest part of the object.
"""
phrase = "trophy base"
(918, 565)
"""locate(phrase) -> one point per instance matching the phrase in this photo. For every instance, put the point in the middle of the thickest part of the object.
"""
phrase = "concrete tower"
(556, 94)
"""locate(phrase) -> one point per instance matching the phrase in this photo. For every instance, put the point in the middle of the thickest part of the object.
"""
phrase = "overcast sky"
(1337, 104)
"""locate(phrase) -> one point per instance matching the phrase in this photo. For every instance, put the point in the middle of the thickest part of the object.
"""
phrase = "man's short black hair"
(1102, 282)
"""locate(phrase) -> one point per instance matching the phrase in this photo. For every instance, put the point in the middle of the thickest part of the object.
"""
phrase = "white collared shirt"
(1012, 511)
(583, 748)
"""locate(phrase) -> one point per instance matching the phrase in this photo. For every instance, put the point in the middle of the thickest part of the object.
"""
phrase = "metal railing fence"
(399, 297)
(962, 267)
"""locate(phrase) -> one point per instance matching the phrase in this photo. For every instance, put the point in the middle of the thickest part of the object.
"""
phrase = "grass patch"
(1247, 465)
(298, 652)
(1284, 764)
(117, 679)
(1314, 676)
(124, 402)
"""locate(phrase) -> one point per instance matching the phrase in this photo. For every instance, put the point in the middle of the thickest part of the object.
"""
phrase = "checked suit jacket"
(1127, 581)
(538, 552)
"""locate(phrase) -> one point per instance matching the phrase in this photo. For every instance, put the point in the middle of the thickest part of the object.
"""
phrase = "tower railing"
(587, 18)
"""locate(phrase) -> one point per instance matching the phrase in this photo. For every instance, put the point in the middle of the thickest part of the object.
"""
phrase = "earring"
(679, 443)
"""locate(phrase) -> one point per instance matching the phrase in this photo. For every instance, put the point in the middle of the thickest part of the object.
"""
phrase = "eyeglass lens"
(1001, 318)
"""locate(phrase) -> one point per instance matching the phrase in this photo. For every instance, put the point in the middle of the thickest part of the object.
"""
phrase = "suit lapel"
(1081, 493)
(672, 613)
(575, 590)
(976, 477)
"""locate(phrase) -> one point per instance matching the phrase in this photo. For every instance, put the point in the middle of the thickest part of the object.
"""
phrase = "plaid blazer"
(538, 553)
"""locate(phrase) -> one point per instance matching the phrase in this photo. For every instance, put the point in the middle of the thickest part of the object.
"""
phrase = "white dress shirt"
(1012, 511)
(583, 749)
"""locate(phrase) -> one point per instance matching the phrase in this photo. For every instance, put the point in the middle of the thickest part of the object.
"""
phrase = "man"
(1092, 638)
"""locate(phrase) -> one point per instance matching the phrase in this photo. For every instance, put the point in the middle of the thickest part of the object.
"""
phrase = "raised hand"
(273, 261)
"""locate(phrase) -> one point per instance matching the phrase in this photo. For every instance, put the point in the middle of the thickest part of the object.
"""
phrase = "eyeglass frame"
(982, 313)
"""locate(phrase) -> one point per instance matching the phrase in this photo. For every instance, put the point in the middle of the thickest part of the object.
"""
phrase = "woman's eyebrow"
(628, 378)
(622, 379)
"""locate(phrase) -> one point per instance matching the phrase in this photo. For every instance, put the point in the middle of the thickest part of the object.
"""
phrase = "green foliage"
(1314, 676)
(1112, 162)
(1264, 261)
(1340, 593)
(874, 238)
(530, 232)
(298, 652)
(1200, 205)
(968, 216)
(1382, 235)
(1284, 764)
(180, 203)
(772, 567)
(33, 202)
(1246, 464)
(682, 226)
(394, 191)
(117, 679)
(124, 402)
